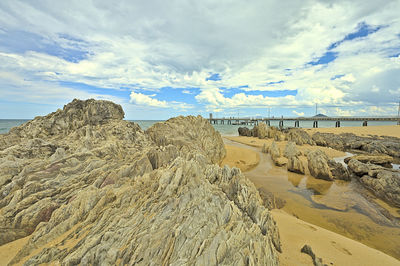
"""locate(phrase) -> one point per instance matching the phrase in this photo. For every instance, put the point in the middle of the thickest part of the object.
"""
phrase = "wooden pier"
(295, 121)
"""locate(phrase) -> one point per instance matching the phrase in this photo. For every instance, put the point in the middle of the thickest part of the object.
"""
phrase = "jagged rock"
(108, 193)
(308, 250)
(383, 182)
(274, 151)
(244, 131)
(262, 130)
(279, 136)
(189, 134)
(318, 165)
(299, 136)
(338, 170)
(265, 148)
(348, 142)
(281, 161)
(383, 160)
(295, 165)
(291, 150)
(272, 132)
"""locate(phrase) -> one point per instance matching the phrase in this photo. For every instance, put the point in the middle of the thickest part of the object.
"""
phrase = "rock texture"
(244, 131)
(318, 165)
(316, 261)
(383, 160)
(350, 142)
(90, 188)
(294, 163)
(299, 136)
(383, 182)
(276, 155)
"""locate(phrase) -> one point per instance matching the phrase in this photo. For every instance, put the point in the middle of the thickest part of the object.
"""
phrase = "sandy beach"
(391, 130)
(333, 247)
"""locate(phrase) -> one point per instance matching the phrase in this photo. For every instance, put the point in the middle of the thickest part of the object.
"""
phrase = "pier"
(296, 121)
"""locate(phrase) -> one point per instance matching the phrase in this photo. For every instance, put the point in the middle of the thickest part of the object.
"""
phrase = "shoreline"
(294, 230)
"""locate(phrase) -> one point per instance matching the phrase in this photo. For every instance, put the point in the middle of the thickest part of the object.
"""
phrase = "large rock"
(383, 160)
(338, 170)
(318, 165)
(295, 165)
(299, 136)
(244, 131)
(383, 182)
(262, 130)
(190, 135)
(350, 142)
(107, 193)
(276, 155)
(291, 150)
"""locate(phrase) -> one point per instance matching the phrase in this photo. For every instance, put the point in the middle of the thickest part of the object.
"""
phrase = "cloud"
(147, 100)
(298, 113)
(208, 45)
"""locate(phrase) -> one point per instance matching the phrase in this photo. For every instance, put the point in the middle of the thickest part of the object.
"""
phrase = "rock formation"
(318, 165)
(299, 136)
(90, 188)
(350, 142)
(276, 155)
(383, 182)
(383, 160)
(244, 131)
(294, 163)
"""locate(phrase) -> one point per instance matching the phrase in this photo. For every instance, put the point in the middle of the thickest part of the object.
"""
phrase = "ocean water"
(225, 130)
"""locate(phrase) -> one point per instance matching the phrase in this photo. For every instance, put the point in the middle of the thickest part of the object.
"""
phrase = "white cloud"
(178, 44)
(298, 113)
(146, 100)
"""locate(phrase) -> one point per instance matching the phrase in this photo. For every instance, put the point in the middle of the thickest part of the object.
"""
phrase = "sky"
(160, 59)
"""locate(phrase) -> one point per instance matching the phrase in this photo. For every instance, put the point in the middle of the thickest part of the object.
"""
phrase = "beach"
(321, 213)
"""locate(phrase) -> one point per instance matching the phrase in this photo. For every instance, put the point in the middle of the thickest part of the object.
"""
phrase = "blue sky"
(161, 59)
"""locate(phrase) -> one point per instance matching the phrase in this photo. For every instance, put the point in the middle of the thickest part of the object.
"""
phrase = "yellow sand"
(331, 247)
(242, 158)
(256, 142)
(9, 250)
(392, 130)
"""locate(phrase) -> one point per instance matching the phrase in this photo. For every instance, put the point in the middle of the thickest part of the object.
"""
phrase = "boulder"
(265, 148)
(299, 136)
(295, 165)
(338, 170)
(318, 165)
(308, 250)
(383, 160)
(244, 131)
(383, 182)
(262, 130)
(276, 155)
(291, 150)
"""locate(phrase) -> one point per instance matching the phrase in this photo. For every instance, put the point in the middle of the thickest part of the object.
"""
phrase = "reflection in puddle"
(338, 206)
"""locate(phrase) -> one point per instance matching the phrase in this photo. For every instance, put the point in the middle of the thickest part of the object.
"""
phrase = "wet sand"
(336, 206)
(391, 130)
(241, 158)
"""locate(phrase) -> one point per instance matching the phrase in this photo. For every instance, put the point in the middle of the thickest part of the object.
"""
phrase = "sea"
(225, 130)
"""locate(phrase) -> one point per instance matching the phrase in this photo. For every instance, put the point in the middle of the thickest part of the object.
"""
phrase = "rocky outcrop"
(102, 191)
(244, 131)
(299, 136)
(338, 170)
(291, 150)
(261, 131)
(383, 160)
(265, 148)
(350, 142)
(276, 155)
(190, 135)
(294, 163)
(318, 165)
(383, 182)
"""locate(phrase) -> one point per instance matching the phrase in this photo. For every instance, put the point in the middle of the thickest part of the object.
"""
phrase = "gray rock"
(295, 165)
(338, 171)
(291, 150)
(102, 191)
(299, 136)
(318, 165)
(308, 250)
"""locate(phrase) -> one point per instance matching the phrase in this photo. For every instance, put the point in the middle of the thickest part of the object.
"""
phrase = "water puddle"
(342, 207)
